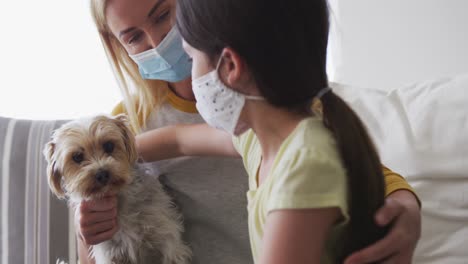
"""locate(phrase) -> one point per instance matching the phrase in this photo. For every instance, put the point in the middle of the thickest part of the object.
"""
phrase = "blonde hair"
(140, 96)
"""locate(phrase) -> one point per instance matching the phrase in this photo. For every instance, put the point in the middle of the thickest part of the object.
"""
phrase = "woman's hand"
(402, 209)
(96, 220)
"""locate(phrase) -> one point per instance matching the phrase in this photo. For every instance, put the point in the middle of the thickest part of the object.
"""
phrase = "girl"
(214, 213)
(315, 181)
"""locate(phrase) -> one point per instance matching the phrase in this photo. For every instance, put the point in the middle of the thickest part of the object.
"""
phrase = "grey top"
(211, 193)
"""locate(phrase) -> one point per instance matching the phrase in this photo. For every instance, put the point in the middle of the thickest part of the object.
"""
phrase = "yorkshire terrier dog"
(89, 158)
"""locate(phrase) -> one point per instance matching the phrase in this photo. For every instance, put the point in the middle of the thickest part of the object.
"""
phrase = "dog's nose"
(102, 176)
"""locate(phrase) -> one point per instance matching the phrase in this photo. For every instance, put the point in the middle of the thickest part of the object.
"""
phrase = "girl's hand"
(402, 209)
(96, 220)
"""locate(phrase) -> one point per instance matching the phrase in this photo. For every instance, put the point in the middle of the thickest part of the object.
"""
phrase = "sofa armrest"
(35, 225)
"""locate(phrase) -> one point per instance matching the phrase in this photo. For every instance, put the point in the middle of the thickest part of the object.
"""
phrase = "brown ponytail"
(366, 187)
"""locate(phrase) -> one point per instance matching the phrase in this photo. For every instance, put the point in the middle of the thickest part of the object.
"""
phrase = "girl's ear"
(232, 67)
(234, 72)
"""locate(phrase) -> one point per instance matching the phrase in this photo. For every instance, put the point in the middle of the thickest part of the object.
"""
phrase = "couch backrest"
(421, 131)
(34, 226)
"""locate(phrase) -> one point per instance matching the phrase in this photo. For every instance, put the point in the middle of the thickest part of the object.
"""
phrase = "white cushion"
(421, 131)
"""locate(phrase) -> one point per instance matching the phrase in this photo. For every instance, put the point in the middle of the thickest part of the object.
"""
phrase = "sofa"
(35, 225)
(420, 130)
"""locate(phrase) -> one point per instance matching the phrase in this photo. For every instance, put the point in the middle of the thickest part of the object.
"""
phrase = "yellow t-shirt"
(307, 173)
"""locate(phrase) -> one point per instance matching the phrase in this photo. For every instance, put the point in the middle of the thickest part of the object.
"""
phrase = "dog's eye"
(108, 147)
(78, 157)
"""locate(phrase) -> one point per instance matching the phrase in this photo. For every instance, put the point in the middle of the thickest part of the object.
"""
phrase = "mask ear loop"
(250, 97)
(218, 64)
(253, 97)
(219, 61)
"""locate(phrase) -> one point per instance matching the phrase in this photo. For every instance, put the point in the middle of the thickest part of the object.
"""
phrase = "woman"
(215, 221)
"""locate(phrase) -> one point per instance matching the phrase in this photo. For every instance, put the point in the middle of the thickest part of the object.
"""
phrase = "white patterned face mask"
(219, 105)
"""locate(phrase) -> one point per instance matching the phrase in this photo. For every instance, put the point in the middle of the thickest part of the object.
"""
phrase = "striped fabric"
(35, 227)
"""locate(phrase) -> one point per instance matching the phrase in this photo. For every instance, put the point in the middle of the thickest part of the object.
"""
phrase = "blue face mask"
(167, 62)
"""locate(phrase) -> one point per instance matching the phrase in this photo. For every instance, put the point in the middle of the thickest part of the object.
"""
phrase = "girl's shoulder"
(313, 137)
(310, 155)
(308, 172)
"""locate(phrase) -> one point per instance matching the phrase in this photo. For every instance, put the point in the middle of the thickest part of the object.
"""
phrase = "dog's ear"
(128, 137)
(53, 174)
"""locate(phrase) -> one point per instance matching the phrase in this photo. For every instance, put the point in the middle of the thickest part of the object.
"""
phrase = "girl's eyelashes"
(161, 18)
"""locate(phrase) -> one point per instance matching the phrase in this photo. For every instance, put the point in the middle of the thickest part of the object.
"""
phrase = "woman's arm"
(402, 209)
(184, 140)
(296, 236)
(395, 182)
